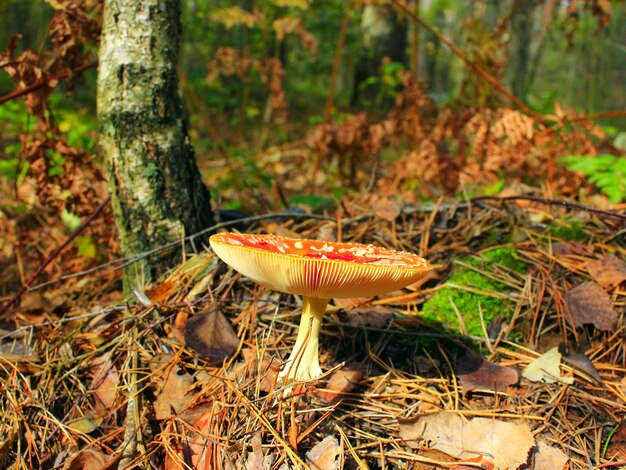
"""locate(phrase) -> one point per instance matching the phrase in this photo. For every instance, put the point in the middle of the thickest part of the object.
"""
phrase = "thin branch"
(554, 202)
(16, 298)
(336, 63)
(44, 82)
(603, 115)
(476, 68)
(122, 262)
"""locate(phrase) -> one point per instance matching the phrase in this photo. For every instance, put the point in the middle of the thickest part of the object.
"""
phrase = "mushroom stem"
(304, 363)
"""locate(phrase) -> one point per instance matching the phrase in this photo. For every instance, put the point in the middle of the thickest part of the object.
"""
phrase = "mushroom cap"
(316, 268)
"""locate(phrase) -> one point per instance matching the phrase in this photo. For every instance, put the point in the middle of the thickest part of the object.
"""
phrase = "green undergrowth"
(441, 307)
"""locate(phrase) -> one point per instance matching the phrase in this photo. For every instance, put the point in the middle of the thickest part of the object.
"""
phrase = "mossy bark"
(156, 188)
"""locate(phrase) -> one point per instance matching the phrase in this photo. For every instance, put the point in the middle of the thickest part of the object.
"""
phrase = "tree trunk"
(157, 192)
(521, 30)
(384, 34)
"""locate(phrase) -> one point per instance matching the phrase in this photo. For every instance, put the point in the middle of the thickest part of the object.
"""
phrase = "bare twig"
(336, 63)
(554, 202)
(476, 68)
(44, 82)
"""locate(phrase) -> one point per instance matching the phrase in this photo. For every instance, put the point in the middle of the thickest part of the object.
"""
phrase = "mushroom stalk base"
(304, 364)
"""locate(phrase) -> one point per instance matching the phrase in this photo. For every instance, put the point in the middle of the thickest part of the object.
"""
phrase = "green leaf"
(86, 246)
(71, 221)
(8, 168)
(605, 171)
(315, 203)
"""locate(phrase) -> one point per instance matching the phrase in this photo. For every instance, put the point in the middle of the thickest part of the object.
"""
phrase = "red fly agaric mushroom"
(318, 271)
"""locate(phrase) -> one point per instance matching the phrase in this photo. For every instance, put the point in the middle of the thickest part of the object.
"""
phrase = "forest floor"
(509, 354)
(443, 374)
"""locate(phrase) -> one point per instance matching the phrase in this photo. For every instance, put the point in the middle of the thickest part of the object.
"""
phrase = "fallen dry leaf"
(342, 381)
(212, 336)
(507, 444)
(375, 316)
(172, 398)
(581, 361)
(85, 424)
(268, 369)
(549, 458)
(350, 302)
(588, 303)
(475, 372)
(89, 459)
(195, 439)
(546, 368)
(104, 384)
(609, 271)
(386, 209)
(570, 248)
(255, 458)
(435, 456)
(325, 455)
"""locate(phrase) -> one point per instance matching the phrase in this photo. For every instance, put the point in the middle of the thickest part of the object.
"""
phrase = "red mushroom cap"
(318, 269)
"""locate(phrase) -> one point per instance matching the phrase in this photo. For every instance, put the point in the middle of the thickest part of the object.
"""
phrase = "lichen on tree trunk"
(156, 188)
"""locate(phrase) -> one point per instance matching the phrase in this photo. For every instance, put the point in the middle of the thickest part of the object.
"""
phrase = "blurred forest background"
(296, 102)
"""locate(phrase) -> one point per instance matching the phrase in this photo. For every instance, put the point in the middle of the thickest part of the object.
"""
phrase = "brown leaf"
(507, 444)
(581, 361)
(104, 383)
(268, 369)
(374, 316)
(325, 455)
(195, 440)
(387, 210)
(342, 381)
(211, 335)
(256, 458)
(89, 459)
(173, 397)
(570, 248)
(549, 458)
(433, 455)
(609, 271)
(350, 302)
(589, 303)
(476, 372)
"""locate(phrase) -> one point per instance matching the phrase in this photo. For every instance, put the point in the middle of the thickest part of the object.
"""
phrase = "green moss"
(440, 309)
(568, 229)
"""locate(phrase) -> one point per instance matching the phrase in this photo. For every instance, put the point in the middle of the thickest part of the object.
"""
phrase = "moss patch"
(439, 308)
(568, 229)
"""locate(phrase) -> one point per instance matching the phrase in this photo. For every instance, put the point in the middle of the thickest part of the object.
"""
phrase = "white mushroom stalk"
(318, 271)
(304, 363)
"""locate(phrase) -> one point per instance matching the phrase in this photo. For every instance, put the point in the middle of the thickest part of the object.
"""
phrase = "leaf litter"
(117, 379)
